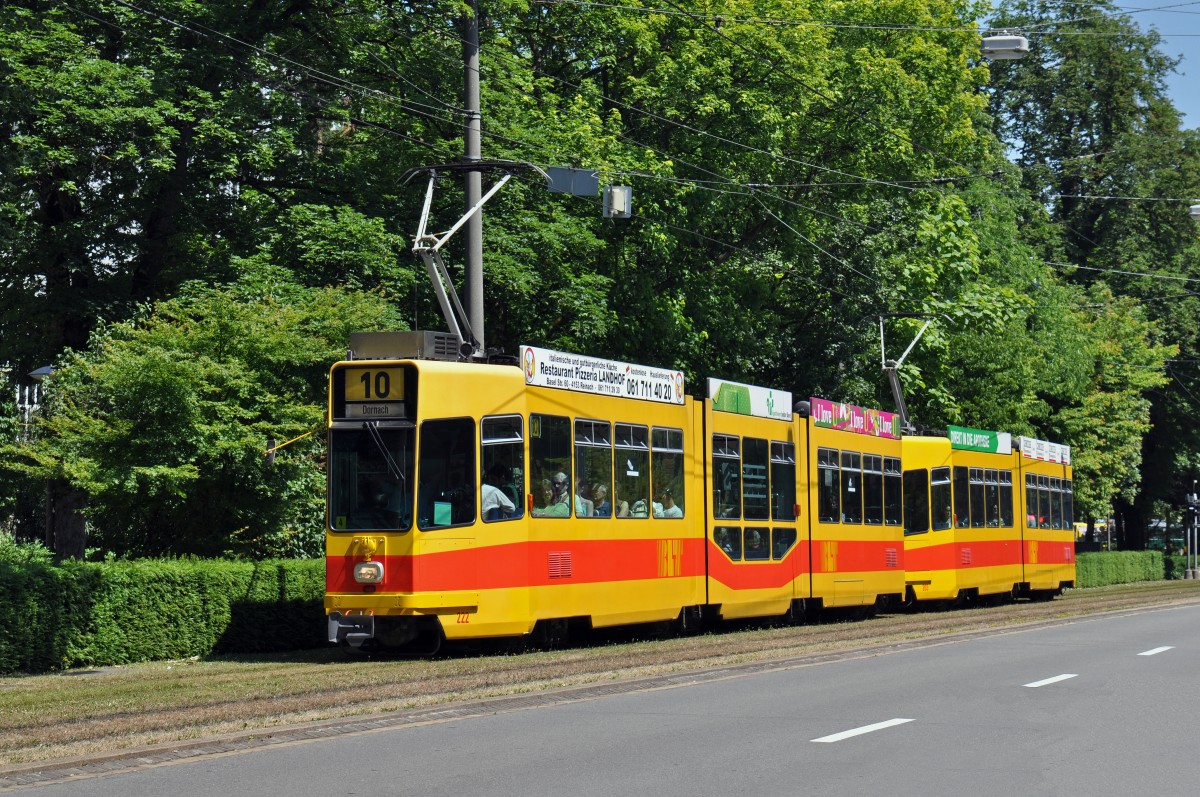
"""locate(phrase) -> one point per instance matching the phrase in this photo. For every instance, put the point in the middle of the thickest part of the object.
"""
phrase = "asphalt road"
(1101, 706)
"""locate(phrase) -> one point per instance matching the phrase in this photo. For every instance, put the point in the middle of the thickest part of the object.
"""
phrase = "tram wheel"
(688, 621)
(798, 613)
(549, 634)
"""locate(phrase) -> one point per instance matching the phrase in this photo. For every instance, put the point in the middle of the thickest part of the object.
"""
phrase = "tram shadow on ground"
(578, 635)
(266, 627)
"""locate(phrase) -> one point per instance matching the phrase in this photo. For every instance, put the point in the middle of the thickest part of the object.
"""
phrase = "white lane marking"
(837, 737)
(1156, 650)
(1054, 680)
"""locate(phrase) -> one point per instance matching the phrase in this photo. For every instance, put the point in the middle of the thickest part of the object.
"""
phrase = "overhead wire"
(317, 74)
(716, 30)
(851, 25)
(860, 179)
(730, 183)
(742, 187)
(1123, 272)
(1122, 198)
(321, 76)
(209, 33)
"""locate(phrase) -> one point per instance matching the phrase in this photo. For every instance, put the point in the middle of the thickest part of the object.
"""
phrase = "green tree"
(793, 180)
(140, 149)
(164, 421)
(1099, 143)
(1108, 424)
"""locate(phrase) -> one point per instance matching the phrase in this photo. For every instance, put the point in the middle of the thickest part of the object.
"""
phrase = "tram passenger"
(600, 499)
(755, 547)
(502, 476)
(727, 541)
(559, 504)
(494, 504)
(381, 503)
(667, 508)
(620, 506)
(583, 504)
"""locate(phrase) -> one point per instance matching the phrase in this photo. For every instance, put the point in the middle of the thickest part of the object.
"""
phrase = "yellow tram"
(478, 501)
(963, 539)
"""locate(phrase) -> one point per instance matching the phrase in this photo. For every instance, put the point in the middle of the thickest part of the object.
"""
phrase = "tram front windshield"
(370, 477)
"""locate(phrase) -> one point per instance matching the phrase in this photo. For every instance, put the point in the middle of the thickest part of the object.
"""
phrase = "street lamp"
(1194, 211)
(1005, 46)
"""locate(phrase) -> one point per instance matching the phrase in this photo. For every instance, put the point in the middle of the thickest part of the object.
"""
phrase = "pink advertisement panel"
(849, 418)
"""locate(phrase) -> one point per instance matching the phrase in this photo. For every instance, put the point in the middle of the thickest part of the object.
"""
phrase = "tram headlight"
(368, 572)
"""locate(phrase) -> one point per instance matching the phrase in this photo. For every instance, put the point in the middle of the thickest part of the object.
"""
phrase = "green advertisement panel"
(967, 439)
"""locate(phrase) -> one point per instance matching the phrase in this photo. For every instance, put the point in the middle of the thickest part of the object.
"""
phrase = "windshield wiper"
(372, 428)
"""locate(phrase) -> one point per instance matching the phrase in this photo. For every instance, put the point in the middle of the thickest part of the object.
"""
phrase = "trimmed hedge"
(1118, 567)
(81, 614)
(1174, 566)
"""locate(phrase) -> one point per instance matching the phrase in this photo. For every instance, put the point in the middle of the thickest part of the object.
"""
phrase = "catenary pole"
(472, 153)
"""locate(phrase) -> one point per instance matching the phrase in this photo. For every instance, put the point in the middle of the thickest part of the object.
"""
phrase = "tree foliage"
(800, 170)
(165, 419)
(1100, 145)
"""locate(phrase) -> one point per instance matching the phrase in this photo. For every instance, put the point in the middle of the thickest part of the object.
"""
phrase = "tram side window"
(729, 540)
(593, 468)
(828, 486)
(446, 490)
(872, 489)
(962, 498)
(782, 541)
(939, 498)
(756, 548)
(1031, 501)
(893, 492)
(756, 499)
(1006, 499)
(1068, 504)
(1056, 504)
(978, 505)
(550, 465)
(631, 484)
(502, 460)
(727, 476)
(916, 501)
(991, 483)
(1043, 502)
(666, 465)
(783, 481)
(852, 502)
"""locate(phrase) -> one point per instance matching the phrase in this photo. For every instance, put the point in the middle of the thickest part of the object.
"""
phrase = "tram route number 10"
(374, 384)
